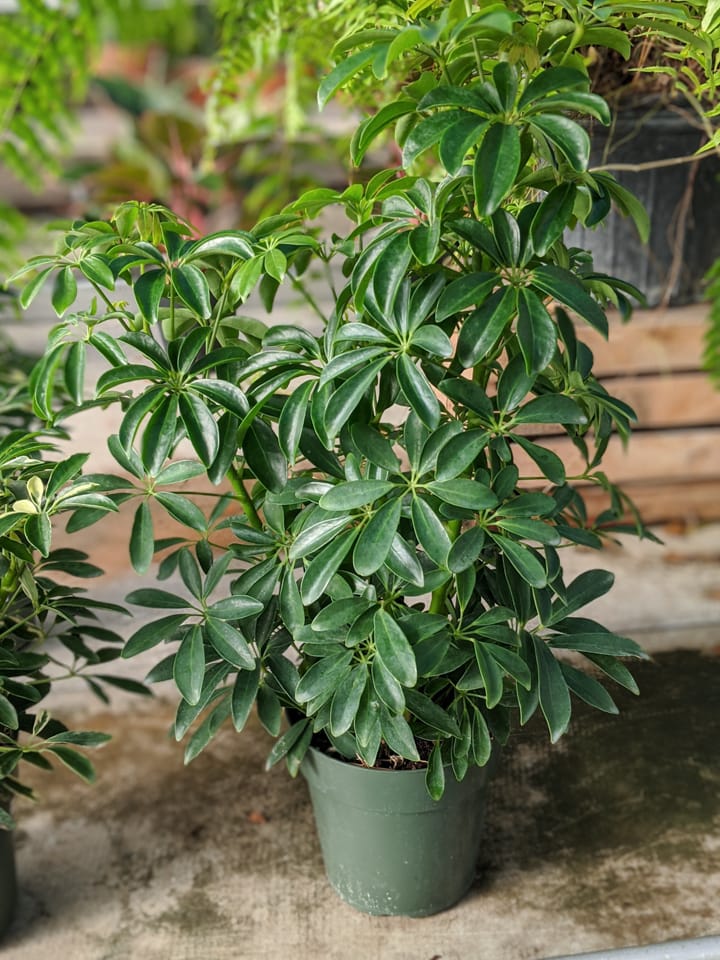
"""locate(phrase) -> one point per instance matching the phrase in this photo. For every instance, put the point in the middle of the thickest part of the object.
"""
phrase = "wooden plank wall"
(671, 467)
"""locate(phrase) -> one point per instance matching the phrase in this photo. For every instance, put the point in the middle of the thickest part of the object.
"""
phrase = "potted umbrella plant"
(49, 628)
(375, 562)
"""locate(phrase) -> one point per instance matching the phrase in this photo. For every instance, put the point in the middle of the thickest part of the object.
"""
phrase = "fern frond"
(46, 58)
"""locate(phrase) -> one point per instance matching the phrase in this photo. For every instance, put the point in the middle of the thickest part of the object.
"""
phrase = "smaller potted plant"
(392, 584)
(48, 630)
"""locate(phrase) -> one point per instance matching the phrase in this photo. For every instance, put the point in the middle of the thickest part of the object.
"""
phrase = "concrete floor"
(611, 838)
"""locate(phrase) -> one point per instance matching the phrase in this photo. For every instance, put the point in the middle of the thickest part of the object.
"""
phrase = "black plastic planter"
(681, 201)
(8, 888)
(389, 849)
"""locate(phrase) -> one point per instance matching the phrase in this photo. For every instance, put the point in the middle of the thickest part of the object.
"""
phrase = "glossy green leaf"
(149, 289)
(566, 136)
(404, 563)
(386, 687)
(8, 713)
(550, 81)
(33, 287)
(466, 549)
(526, 564)
(315, 536)
(565, 287)
(286, 742)
(201, 427)
(64, 290)
(460, 452)
(142, 538)
(292, 420)
(229, 643)
(458, 139)
(323, 567)
(346, 69)
(469, 290)
(552, 690)
(390, 270)
(430, 713)
(38, 532)
(481, 331)
(151, 634)
(189, 666)
(157, 599)
(345, 399)
(588, 689)
(511, 663)
(585, 588)
(468, 494)
(191, 286)
(536, 530)
(375, 447)
(244, 692)
(602, 642)
(75, 761)
(418, 392)
(182, 510)
(236, 607)
(346, 700)
(430, 531)
(428, 132)
(264, 457)
(492, 675)
(549, 462)
(393, 648)
(376, 538)
(497, 163)
(322, 677)
(159, 435)
(227, 395)
(355, 493)
(550, 408)
(435, 774)
(399, 737)
(552, 217)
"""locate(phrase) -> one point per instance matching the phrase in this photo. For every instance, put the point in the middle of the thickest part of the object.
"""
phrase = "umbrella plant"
(374, 514)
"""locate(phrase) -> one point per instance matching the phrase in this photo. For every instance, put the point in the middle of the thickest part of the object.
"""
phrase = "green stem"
(236, 482)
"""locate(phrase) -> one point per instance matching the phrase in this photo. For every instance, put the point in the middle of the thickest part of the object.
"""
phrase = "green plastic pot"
(8, 884)
(389, 849)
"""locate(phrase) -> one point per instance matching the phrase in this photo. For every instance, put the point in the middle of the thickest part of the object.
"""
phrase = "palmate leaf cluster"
(396, 519)
(46, 55)
(48, 629)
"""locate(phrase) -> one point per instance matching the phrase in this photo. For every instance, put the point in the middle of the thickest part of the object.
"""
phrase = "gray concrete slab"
(611, 838)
